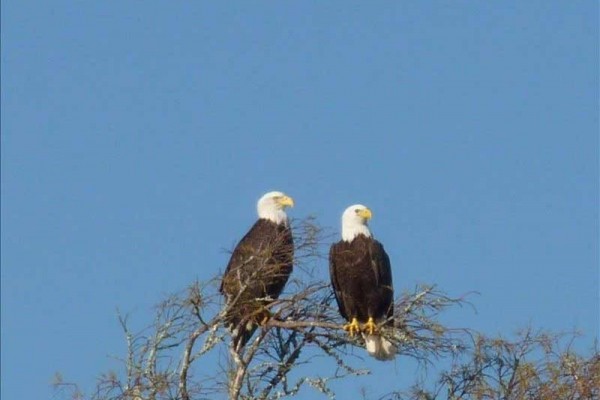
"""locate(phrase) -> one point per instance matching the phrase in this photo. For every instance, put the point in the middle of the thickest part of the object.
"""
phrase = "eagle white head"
(272, 207)
(354, 222)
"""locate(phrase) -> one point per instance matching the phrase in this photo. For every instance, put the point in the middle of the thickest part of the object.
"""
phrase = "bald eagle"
(361, 277)
(259, 268)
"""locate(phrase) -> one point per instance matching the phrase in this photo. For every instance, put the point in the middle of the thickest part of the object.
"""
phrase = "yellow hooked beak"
(365, 213)
(286, 201)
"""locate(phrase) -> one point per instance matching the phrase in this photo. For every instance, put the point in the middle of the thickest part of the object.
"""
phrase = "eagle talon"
(370, 327)
(352, 328)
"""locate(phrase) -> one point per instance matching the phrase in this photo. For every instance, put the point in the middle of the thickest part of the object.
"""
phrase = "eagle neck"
(351, 231)
(276, 216)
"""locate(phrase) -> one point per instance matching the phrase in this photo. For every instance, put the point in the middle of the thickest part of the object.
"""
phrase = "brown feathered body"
(362, 279)
(256, 274)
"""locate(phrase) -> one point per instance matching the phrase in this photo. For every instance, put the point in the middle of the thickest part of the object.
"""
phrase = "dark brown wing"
(242, 253)
(380, 262)
(259, 268)
(335, 268)
(266, 243)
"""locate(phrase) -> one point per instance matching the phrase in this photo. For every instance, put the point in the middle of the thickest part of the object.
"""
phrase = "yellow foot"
(370, 327)
(352, 328)
(262, 316)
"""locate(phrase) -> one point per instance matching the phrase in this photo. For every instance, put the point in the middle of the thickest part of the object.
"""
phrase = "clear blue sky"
(137, 136)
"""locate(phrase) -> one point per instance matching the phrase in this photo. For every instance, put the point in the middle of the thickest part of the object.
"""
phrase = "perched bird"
(259, 268)
(361, 277)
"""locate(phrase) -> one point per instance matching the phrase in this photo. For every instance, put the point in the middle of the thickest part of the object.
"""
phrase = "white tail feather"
(379, 347)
